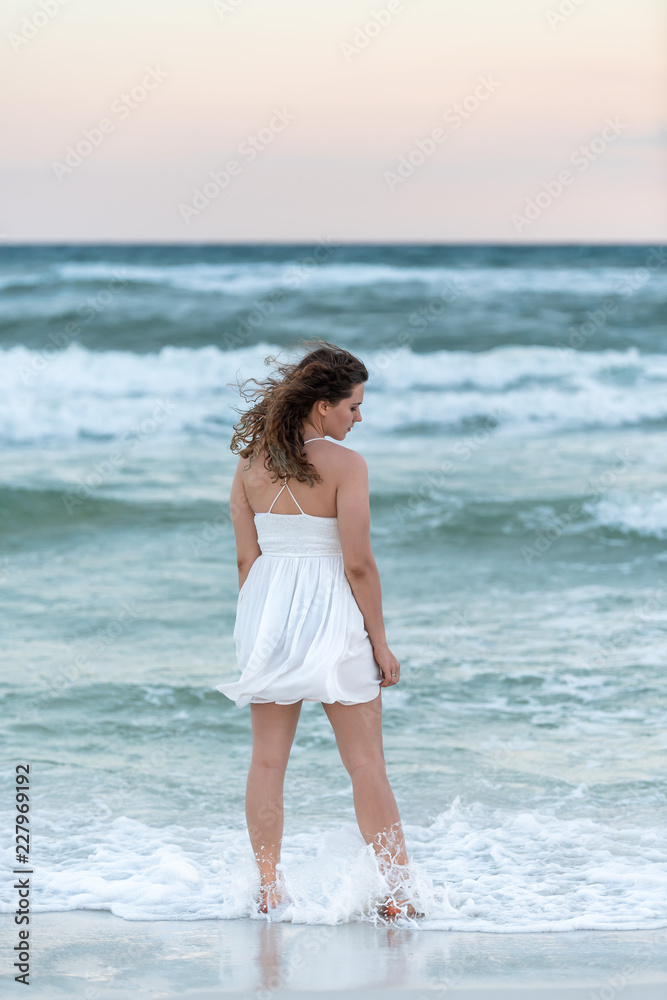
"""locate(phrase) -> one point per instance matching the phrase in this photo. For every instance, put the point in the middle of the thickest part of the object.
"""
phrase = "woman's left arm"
(243, 521)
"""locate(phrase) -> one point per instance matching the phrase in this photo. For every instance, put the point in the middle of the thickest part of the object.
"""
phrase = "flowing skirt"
(300, 634)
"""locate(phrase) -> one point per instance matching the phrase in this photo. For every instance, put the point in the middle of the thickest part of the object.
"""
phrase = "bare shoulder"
(341, 459)
(346, 470)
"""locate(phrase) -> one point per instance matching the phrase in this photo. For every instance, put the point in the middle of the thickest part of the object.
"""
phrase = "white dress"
(299, 632)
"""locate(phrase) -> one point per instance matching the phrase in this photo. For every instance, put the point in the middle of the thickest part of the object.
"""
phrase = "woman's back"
(330, 460)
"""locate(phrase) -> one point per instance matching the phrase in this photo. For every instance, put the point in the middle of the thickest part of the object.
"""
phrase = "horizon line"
(344, 243)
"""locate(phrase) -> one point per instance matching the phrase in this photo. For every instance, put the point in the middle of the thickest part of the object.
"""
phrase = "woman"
(309, 624)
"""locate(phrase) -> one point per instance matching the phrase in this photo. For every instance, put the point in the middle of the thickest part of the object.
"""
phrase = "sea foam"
(73, 392)
(474, 868)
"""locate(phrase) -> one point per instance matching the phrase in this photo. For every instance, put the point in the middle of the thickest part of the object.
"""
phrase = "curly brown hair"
(283, 400)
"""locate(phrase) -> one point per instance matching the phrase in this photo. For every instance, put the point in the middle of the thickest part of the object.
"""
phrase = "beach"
(97, 956)
(513, 426)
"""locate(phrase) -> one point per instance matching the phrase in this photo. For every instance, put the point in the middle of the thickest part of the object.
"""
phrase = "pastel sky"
(399, 120)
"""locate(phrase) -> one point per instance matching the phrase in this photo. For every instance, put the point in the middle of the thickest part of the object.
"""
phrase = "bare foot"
(272, 894)
(397, 903)
(391, 908)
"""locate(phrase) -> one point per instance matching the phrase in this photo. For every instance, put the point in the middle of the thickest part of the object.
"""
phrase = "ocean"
(514, 428)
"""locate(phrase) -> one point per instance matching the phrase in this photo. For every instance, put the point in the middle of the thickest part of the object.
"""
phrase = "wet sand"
(96, 956)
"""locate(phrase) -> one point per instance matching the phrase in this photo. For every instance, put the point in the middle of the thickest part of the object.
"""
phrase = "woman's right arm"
(354, 526)
(243, 522)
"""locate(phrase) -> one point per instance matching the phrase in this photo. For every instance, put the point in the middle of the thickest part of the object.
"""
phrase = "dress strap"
(276, 497)
(288, 489)
(290, 493)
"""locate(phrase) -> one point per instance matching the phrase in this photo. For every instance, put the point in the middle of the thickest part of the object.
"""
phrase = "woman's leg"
(273, 729)
(358, 731)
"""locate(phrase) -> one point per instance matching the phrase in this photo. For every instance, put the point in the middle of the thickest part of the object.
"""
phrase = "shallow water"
(519, 519)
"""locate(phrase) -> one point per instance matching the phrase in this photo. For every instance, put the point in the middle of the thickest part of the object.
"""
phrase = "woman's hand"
(388, 664)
